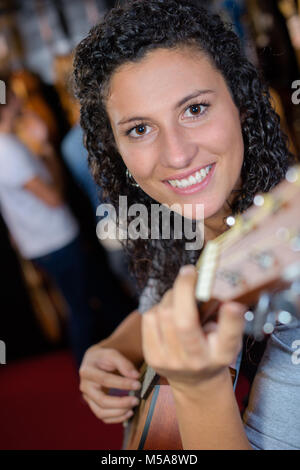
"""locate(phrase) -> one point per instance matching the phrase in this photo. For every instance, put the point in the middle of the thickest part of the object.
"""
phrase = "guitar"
(256, 262)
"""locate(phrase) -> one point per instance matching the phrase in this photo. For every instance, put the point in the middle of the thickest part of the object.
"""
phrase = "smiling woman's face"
(177, 129)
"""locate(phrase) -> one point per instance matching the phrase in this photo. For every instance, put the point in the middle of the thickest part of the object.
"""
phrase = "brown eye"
(195, 109)
(140, 130)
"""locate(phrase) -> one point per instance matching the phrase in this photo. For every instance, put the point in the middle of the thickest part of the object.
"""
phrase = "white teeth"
(198, 177)
(193, 179)
(185, 183)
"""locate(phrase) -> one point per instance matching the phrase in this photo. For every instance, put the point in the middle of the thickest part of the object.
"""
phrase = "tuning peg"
(284, 317)
(270, 323)
(259, 200)
(292, 175)
(281, 308)
(230, 221)
(255, 321)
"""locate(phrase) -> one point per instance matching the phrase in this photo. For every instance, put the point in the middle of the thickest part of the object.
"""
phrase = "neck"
(214, 230)
(216, 225)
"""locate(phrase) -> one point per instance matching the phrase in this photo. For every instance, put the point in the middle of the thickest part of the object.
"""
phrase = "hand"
(178, 347)
(98, 374)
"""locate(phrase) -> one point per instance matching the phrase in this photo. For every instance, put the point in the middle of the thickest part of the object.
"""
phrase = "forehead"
(161, 74)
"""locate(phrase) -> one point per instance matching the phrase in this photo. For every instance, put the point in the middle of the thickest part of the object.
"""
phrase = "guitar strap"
(150, 378)
(237, 368)
(149, 418)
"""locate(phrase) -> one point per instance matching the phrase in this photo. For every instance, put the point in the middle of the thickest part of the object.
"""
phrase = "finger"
(186, 315)
(109, 380)
(151, 336)
(230, 328)
(169, 339)
(167, 298)
(121, 419)
(112, 416)
(163, 320)
(210, 327)
(107, 401)
(111, 359)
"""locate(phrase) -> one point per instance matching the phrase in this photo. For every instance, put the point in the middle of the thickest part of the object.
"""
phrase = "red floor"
(41, 408)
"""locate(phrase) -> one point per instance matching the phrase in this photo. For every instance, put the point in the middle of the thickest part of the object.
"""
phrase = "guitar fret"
(207, 265)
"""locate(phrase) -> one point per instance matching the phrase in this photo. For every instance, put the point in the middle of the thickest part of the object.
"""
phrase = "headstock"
(259, 254)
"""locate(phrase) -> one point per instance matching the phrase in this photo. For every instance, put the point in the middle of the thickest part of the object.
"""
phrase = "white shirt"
(36, 228)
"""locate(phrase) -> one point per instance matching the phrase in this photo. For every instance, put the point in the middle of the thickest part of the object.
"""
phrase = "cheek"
(227, 141)
(224, 140)
(225, 133)
(139, 159)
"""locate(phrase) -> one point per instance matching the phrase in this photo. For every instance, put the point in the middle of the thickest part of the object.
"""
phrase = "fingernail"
(134, 373)
(135, 401)
(136, 385)
(188, 269)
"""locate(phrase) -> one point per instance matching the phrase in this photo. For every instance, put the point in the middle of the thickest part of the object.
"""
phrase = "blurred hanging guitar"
(257, 261)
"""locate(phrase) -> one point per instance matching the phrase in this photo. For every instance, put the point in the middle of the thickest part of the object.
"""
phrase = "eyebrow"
(191, 96)
(184, 100)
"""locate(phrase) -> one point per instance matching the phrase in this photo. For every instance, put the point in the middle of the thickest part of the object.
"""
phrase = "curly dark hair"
(128, 33)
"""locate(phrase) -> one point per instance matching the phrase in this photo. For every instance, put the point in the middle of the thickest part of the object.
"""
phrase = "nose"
(177, 148)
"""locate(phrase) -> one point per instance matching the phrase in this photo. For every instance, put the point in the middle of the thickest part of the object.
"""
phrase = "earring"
(130, 179)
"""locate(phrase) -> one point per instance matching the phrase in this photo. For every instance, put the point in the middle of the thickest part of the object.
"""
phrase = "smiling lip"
(186, 174)
(195, 187)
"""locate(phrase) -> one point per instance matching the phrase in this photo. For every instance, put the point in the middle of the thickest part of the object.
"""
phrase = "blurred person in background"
(45, 231)
(75, 157)
(72, 148)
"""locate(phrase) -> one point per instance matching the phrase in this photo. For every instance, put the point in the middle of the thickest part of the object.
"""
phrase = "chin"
(209, 211)
(192, 212)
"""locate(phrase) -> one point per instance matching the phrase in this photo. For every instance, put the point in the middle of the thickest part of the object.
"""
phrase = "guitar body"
(154, 426)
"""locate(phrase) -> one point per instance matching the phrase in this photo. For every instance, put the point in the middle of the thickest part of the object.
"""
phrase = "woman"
(165, 93)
